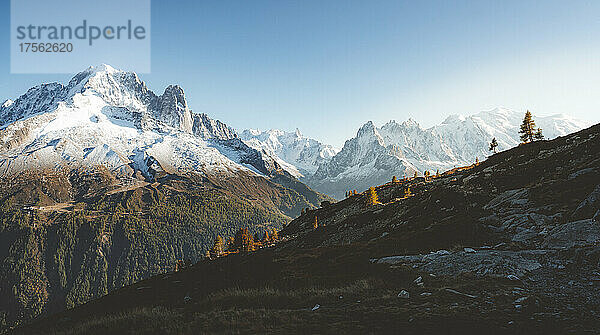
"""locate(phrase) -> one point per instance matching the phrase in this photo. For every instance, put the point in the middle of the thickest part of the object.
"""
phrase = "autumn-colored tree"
(372, 198)
(217, 249)
(275, 235)
(416, 174)
(427, 174)
(266, 238)
(493, 145)
(394, 180)
(476, 160)
(243, 240)
(407, 192)
(528, 128)
(315, 223)
(437, 173)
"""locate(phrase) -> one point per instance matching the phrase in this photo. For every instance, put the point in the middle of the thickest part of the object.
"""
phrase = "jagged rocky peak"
(36, 100)
(173, 110)
(206, 127)
(369, 133)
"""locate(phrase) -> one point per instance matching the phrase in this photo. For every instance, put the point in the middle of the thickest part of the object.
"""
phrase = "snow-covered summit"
(105, 116)
(378, 153)
(298, 154)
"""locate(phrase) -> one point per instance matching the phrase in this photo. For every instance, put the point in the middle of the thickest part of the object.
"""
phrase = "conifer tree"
(416, 175)
(394, 180)
(426, 174)
(476, 160)
(315, 223)
(538, 134)
(407, 192)
(372, 198)
(266, 238)
(493, 145)
(528, 127)
(275, 235)
(437, 173)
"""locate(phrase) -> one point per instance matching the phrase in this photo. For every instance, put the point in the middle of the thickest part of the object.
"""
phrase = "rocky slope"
(377, 154)
(104, 183)
(511, 245)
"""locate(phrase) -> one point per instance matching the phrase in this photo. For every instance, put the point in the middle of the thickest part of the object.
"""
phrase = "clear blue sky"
(326, 67)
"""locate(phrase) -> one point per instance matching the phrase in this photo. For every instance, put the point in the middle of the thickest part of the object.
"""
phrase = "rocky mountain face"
(510, 245)
(299, 155)
(104, 183)
(377, 154)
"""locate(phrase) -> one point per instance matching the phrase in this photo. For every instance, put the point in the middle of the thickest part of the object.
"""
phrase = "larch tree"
(528, 128)
(372, 198)
(315, 223)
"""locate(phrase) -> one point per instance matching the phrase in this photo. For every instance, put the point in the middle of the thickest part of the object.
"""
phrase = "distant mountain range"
(378, 153)
(104, 183)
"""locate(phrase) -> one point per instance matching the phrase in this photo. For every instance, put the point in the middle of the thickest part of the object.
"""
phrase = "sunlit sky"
(327, 67)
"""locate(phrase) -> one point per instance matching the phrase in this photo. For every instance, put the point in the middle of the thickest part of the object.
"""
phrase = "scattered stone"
(512, 277)
(469, 250)
(419, 280)
(317, 306)
(187, 299)
(404, 294)
(460, 293)
(341, 297)
(426, 294)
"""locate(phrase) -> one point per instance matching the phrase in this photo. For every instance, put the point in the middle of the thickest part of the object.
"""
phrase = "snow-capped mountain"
(299, 155)
(108, 117)
(377, 154)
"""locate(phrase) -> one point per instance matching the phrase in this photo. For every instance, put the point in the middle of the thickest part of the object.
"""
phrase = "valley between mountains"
(107, 188)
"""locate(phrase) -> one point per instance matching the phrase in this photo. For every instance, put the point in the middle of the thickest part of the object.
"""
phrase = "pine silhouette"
(372, 198)
(538, 134)
(437, 173)
(426, 174)
(493, 145)
(394, 180)
(528, 129)
(416, 174)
